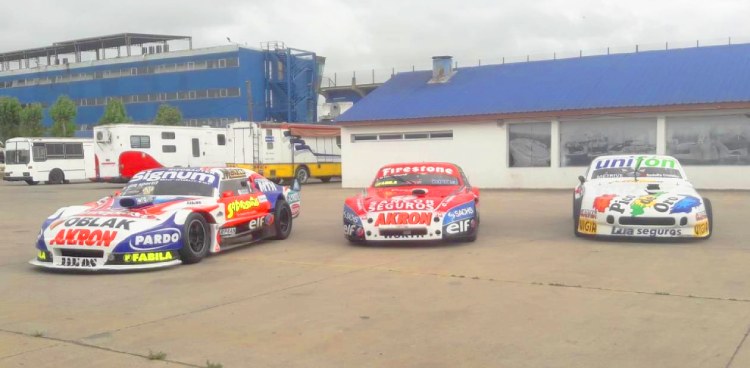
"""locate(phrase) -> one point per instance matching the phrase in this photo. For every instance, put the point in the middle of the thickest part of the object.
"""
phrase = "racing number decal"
(586, 225)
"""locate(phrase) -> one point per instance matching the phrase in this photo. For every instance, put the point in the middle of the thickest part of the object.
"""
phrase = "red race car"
(414, 201)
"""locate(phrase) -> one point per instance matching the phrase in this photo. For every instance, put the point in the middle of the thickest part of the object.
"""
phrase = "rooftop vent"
(442, 69)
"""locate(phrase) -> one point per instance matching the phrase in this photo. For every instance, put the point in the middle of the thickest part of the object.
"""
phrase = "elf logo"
(460, 227)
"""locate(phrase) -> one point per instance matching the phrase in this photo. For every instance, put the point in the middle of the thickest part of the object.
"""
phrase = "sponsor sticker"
(99, 238)
(155, 239)
(586, 226)
(239, 206)
(459, 227)
(404, 218)
(459, 213)
(701, 228)
(402, 204)
(112, 223)
(147, 257)
(228, 231)
(77, 262)
(175, 175)
(416, 169)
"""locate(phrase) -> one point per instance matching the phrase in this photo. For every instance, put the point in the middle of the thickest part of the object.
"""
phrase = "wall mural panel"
(582, 141)
(529, 144)
(709, 140)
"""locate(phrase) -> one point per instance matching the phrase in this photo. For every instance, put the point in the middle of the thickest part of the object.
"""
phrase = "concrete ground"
(525, 294)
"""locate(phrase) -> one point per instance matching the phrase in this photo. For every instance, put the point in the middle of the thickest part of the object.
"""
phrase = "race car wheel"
(576, 214)
(282, 220)
(196, 238)
(302, 174)
(710, 216)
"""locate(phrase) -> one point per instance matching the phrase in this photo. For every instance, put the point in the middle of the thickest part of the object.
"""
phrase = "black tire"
(710, 216)
(325, 179)
(282, 220)
(56, 176)
(302, 174)
(31, 182)
(196, 239)
(576, 214)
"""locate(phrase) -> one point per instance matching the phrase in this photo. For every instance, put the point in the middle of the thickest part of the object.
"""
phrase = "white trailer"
(50, 160)
(286, 151)
(122, 150)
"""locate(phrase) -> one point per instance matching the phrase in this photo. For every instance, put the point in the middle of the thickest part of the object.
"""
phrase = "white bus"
(50, 160)
(122, 150)
(285, 150)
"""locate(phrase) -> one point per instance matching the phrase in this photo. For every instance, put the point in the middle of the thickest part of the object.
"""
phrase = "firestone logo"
(417, 169)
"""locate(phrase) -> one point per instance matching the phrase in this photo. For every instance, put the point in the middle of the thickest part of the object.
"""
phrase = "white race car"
(165, 217)
(641, 197)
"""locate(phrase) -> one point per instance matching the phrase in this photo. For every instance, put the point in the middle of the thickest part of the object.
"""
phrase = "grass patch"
(209, 364)
(662, 293)
(38, 334)
(156, 355)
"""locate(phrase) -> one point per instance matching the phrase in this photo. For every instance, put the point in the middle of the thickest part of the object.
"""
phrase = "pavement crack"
(737, 349)
(92, 346)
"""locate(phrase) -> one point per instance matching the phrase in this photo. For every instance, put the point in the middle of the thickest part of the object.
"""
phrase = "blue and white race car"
(639, 197)
(164, 217)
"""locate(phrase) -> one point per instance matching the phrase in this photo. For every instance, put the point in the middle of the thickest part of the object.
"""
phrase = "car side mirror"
(227, 194)
(581, 179)
(296, 185)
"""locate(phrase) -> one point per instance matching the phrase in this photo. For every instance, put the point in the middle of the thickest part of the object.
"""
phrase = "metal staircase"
(291, 78)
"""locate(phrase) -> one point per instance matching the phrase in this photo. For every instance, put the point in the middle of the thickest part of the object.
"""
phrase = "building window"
(582, 141)
(221, 139)
(709, 140)
(529, 144)
(140, 141)
(364, 137)
(398, 136)
(167, 135)
(169, 149)
(39, 152)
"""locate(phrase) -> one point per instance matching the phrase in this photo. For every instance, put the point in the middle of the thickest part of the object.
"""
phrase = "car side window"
(236, 186)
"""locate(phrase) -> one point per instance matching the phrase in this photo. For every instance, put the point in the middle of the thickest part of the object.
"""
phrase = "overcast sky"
(380, 34)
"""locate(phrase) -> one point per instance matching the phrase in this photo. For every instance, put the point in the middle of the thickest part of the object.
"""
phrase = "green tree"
(63, 113)
(10, 117)
(168, 115)
(114, 113)
(31, 121)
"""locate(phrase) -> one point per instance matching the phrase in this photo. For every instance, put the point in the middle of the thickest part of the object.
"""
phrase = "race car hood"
(642, 197)
(406, 198)
(148, 225)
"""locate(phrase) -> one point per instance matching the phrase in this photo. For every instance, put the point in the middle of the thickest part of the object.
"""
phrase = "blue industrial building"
(210, 86)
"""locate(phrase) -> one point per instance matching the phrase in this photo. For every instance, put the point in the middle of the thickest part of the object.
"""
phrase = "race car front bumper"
(592, 227)
(121, 261)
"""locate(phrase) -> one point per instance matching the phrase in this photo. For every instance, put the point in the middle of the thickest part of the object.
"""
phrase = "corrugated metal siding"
(655, 78)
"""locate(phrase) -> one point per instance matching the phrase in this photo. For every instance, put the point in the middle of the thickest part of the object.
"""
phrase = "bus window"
(73, 150)
(169, 149)
(55, 150)
(39, 152)
(221, 139)
(167, 135)
(17, 153)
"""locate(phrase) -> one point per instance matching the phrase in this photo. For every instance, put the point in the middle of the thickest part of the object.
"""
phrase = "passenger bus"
(122, 150)
(281, 151)
(50, 160)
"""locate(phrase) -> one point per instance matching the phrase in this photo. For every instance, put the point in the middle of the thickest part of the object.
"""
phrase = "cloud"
(370, 34)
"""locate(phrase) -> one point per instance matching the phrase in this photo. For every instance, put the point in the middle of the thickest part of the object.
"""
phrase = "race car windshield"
(414, 179)
(643, 172)
(169, 188)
